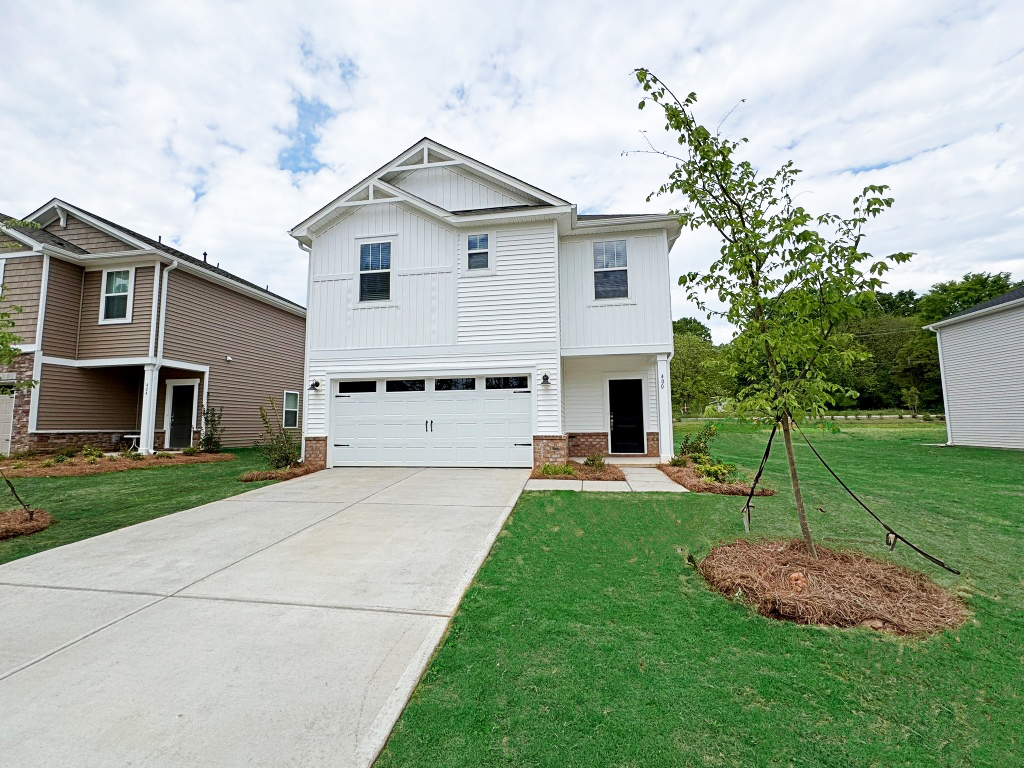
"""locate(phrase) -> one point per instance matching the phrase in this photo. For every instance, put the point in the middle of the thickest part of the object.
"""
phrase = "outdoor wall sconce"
(315, 386)
(545, 379)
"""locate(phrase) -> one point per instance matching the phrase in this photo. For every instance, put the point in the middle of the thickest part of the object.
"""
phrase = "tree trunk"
(797, 496)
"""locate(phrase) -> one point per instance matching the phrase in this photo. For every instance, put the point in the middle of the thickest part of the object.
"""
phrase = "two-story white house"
(458, 316)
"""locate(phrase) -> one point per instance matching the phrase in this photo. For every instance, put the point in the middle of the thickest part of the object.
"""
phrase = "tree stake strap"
(891, 536)
(753, 486)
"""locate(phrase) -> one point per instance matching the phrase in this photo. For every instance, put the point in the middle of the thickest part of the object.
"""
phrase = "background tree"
(692, 327)
(789, 289)
(700, 374)
(945, 299)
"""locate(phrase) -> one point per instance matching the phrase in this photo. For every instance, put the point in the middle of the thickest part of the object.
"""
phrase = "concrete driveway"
(283, 627)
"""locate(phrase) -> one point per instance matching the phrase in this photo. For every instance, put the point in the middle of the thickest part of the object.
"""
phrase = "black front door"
(626, 407)
(182, 407)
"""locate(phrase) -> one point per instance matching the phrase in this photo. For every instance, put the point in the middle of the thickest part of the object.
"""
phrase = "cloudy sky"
(220, 125)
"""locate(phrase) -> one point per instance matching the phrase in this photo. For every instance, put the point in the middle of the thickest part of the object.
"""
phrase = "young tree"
(789, 280)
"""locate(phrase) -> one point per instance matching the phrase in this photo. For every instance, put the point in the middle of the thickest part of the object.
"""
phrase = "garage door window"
(447, 385)
(352, 387)
(406, 385)
(506, 382)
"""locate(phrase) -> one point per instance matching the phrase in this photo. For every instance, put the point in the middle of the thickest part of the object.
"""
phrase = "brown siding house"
(135, 338)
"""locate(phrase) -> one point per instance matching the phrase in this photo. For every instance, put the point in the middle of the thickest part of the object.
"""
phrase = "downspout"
(160, 338)
(151, 376)
(305, 362)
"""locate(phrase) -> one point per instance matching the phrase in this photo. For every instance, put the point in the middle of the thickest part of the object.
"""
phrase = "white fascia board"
(117, 234)
(22, 238)
(633, 349)
(980, 313)
(539, 214)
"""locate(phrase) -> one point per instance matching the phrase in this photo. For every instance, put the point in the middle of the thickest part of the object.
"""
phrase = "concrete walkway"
(639, 479)
(283, 627)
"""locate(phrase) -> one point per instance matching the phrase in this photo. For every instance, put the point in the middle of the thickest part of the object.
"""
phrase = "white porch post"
(665, 438)
(149, 382)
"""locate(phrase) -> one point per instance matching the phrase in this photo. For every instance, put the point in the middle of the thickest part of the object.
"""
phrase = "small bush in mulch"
(15, 522)
(274, 474)
(689, 478)
(839, 589)
(573, 470)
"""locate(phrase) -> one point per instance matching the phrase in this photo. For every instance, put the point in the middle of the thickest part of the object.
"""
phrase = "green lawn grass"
(586, 640)
(94, 504)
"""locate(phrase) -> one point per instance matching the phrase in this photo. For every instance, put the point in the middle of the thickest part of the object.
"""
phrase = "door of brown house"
(182, 408)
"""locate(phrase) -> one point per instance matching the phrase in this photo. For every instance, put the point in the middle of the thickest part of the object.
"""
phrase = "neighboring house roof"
(1011, 297)
(38, 235)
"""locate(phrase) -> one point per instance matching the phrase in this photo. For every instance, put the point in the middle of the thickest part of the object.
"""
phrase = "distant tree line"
(901, 372)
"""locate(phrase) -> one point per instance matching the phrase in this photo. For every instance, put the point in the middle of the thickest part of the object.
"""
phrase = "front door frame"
(168, 399)
(645, 386)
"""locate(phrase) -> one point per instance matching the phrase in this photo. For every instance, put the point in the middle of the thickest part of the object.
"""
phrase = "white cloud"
(172, 119)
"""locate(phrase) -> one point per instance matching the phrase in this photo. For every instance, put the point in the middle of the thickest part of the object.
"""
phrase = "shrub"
(190, 451)
(558, 470)
(679, 460)
(698, 443)
(163, 455)
(91, 453)
(210, 441)
(113, 458)
(48, 463)
(595, 460)
(91, 459)
(20, 465)
(714, 470)
(278, 447)
(59, 458)
(63, 454)
(133, 455)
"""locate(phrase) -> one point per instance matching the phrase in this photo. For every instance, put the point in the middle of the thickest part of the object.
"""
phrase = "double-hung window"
(291, 410)
(375, 271)
(478, 254)
(611, 280)
(116, 301)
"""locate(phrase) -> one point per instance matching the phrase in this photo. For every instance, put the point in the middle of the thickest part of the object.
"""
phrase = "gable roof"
(136, 240)
(1010, 297)
(40, 236)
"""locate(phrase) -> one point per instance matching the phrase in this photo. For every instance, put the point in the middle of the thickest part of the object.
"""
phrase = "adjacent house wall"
(63, 308)
(983, 378)
(89, 398)
(207, 323)
(22, 279)
(116, 339)
(87, 237)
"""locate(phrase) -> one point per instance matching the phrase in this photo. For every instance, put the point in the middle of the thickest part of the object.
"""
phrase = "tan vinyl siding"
(89, 398)
(166, 373)
(10, 245)
(207, 323)
(87, 237)
(22, 280)
(116, 339)
(63, 308)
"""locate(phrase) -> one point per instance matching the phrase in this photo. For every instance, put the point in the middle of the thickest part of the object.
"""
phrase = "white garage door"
(470, 421)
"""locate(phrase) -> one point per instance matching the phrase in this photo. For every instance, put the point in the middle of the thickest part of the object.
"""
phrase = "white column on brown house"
(665, 439)
(149, 382)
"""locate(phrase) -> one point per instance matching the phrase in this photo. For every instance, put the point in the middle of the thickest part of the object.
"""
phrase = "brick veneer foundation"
(589, 443)
(550, 449)
(316, 452)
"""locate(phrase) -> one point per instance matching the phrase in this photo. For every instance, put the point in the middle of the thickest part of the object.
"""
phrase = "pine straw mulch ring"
(15, 522)
(688, 478)
(839, 589)
(582, 472)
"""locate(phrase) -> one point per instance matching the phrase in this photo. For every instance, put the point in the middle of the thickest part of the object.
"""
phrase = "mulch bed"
(275, 474)
(15, 522)
(839, 589)
(583, 472)
(689, 479)
(78, 466)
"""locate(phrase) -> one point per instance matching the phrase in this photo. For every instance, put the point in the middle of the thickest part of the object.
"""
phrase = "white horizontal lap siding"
(455, 190)
(983, 369)
(585, 397)
(646, 319)
(422, 306)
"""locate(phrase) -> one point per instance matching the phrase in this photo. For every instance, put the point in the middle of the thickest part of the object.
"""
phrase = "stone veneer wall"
(550, 449)
(316, 452)
(22, 367)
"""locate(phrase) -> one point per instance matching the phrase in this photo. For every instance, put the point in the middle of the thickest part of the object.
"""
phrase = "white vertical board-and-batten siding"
(426, 330)
(454, 190)
(586, 395)
(645, 318)
(983, 377)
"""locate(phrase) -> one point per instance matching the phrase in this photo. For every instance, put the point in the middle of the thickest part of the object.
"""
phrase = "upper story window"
(611, 280)
(375, 271)
(116, 300)
(478, 252)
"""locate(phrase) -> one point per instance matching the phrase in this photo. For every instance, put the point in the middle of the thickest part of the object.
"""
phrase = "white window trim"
(285, 408)
(492, 266)
(360, 241)
(628, 298)
(103, 296)
(168, 393)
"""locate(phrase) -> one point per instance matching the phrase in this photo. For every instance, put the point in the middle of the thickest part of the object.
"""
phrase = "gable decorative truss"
(57, 209)
(379, 187)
